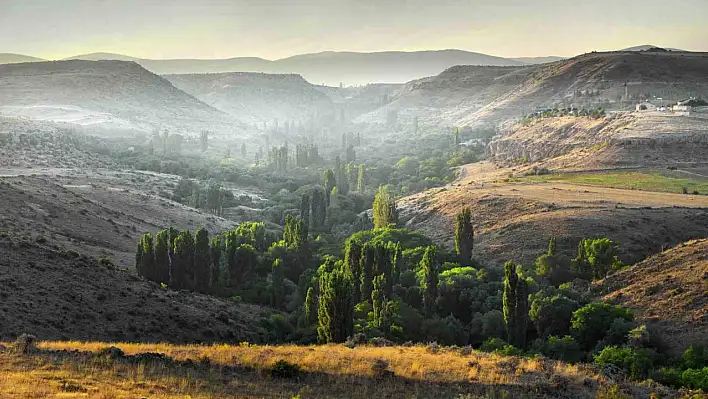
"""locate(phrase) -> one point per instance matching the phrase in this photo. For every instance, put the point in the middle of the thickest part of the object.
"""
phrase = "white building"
(681, 109)
(645, 107)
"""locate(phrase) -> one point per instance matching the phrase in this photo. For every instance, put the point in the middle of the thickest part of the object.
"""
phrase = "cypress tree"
(430, 280)
(202, 260)
(162, 257)
(384, 209)
(335, 311)
(310, 307)
(215, 256)
(464, 234)
(515, 303)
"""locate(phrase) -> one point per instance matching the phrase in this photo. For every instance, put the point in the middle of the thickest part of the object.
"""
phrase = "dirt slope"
(56, 295)
(257, 97)
(101, 213)
(669, 291)
(472, 95)
(113, 94)
(515, 221)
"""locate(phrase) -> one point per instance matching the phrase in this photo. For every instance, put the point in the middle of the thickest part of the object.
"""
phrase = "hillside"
(116, 95)
(74, 369)
(668, 291)
(469, 95)
(256, 98)
(111, 304)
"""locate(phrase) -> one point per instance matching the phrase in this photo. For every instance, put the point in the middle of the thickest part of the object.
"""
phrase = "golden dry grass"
(76, 370)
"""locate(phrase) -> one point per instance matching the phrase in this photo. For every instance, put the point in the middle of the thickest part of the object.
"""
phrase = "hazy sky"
(280, 28)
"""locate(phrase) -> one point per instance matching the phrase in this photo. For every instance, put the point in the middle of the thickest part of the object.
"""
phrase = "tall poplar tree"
(515, 303)
(335, 310)
(385, 211)
(430, 279)
(464, 234)
(202, 260)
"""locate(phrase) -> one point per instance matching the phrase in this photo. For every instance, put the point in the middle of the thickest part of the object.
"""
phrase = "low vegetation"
(630, 180)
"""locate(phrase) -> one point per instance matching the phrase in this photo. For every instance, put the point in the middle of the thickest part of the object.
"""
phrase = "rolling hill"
(668, 291)
(255, 98)
(10, 58)
(116, 95)
(472, 95)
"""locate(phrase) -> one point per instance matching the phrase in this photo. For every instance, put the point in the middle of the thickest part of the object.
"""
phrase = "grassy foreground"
(81, 370)
(629, 180)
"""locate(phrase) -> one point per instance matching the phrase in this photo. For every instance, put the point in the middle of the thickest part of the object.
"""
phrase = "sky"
(273, 29)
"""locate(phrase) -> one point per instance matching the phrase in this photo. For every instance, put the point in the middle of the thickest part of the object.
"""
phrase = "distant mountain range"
(328, 68)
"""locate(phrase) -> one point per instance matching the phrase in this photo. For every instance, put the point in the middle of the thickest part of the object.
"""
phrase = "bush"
(635, 362)
(695, 357)
(695, 378)
(565, 349)
(284, 369)
(499, 346)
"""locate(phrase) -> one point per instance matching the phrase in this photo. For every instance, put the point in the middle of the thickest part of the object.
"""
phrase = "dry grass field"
(84, 370)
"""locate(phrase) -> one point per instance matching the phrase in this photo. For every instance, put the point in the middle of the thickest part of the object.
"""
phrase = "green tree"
(515, 304)
(551, 315)
(215, 256)
(352, 258)
(319, 207)
(310, 307)
(384, 208)
(336, 308)
(367, 267)
(553, 266)
(276, 284)
(380, 305)
(429, 285)
(360, 182)
(464, 234)
(162, 257)
(330, 182)
(202, 260)
(145, 257)
(305, 212)
(596, 257)
(590, 324)
(182, 267)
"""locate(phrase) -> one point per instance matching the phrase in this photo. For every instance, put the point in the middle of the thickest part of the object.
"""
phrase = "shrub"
(695, 357)
(565, 349)
(499, 346)
(635, 362)
(695, 378)
(284, 369)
